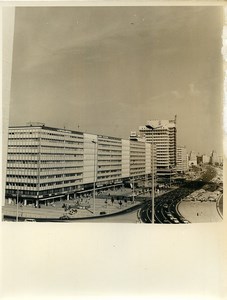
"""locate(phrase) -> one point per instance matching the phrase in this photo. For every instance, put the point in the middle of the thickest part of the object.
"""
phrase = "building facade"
(192, 159)
(214, 159)
(163, 136)
(46, 163)
(203, 159)
(182, 159)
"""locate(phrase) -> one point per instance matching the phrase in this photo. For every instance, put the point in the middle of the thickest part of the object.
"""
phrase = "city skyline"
(118, 67)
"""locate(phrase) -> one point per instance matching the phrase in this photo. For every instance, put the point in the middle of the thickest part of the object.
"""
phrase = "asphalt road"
(166, 205)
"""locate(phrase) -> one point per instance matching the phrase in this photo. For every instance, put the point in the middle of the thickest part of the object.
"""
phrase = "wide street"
(195, 201)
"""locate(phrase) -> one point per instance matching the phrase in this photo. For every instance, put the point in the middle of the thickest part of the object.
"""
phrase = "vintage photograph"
(115, 115)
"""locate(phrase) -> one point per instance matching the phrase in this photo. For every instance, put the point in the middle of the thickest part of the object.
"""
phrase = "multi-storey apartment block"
(46, 163)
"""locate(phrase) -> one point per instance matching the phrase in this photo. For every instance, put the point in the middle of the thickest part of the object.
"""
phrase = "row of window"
(78, 136)
(21, 184)
(42, 154)
(65, 147)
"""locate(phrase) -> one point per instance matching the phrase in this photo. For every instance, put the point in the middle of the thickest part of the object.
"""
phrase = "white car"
(175, 221)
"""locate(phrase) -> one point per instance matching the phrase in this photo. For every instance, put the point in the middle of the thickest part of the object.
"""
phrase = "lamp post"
(95, 145)
(152, 141)
(17, 205)
(133, 184)
(133, 190)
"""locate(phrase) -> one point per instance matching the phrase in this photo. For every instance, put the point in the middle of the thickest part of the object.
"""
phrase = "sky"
(108, 70)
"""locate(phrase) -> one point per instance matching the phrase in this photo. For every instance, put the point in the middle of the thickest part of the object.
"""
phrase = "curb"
(131, 209)
(217, 206)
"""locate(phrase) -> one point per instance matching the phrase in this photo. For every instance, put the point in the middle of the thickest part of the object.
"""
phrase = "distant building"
(214, 159)
(199, 160)
(182, 159)
(192, 159)
(205, 159)
(220, 160)
(45, 164)
(163, 136)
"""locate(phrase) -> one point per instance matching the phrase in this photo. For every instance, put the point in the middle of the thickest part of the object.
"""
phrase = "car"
(65, 217)
(169, 215)
(165, 221)
(29, 220)
(165, 205)
(102, 213)
(183, 220)
(175, 221)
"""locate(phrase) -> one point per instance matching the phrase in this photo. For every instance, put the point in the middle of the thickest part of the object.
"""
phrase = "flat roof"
(63, 130)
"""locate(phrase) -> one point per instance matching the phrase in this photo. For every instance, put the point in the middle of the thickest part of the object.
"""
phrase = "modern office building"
(45, 163)
(163, 136)
(182, 159)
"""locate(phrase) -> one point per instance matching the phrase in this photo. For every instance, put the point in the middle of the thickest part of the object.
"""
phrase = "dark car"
(64, 217)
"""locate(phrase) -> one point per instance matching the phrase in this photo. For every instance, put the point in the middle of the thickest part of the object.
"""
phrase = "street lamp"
(152, 141)
(133, 190)
(17, 205)
(133, 184)
(95, 146)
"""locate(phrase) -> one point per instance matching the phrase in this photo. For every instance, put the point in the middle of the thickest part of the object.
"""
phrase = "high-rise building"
(203, 159)
(192, 159)
(182, 159)
(163, 136)
(46, 163)
(214, 158)
(220, 160)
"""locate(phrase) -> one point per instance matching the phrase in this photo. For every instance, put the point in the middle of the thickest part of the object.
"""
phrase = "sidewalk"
(57, 211)
(199, 212)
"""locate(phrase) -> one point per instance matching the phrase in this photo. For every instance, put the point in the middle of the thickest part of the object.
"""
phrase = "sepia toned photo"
(115, 115)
